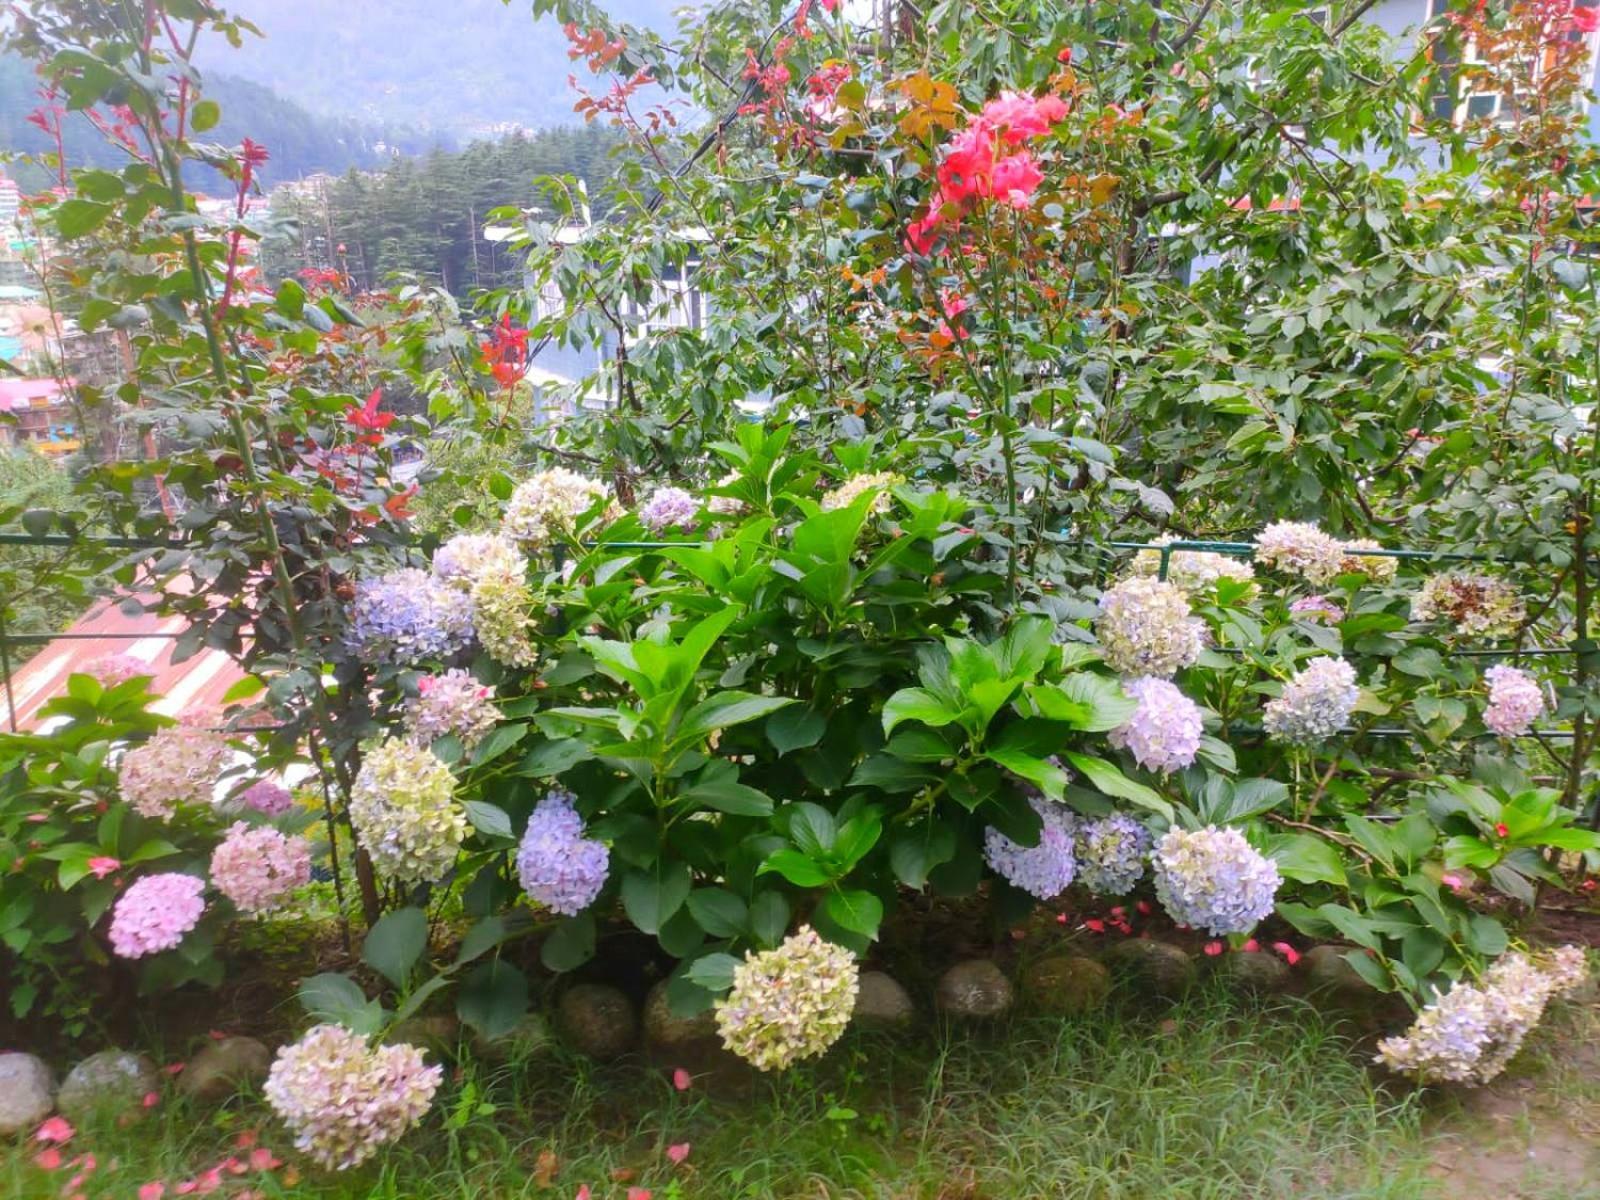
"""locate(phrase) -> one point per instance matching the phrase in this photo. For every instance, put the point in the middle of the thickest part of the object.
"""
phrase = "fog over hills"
(464, 68)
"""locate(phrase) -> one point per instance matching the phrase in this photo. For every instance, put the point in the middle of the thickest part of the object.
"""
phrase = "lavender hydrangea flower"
(179, 765)
(669, 508)
(258, 867)
(1111, 853)
(558, 866)
(1164, 732)
(1317, 608)
(267, 797)
(405, 814)
(1470, 1032)
(1145, 628)
(451, 703)
(155, 913)
(1213, 879)
(408, 616)
(1315, 704)
(1471, 605)
(343, 1099)
(1044, 870)
(1301, 549)
(1516, 700)
(789, 1003)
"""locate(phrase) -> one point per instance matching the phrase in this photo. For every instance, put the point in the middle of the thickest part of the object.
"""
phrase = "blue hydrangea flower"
(408, 616)
(1315, 704)
(1111, 853)
(1213, 879)
(558, 866)
(1164, 732)
(1044, 870)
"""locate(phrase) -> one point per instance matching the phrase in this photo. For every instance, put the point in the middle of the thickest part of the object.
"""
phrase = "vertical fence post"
(5, 674)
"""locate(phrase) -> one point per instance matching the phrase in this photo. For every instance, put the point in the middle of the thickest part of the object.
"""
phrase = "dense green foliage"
(428, 217)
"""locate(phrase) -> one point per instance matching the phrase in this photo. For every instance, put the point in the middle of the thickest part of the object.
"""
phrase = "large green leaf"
(493, 999)
(723, 709)
(395, 944)
(1105, 777)
(651, 897)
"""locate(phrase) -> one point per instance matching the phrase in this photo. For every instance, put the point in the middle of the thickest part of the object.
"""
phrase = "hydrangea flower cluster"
(1301, 549)
(404, 811)
(1471, 605)
(1045, 870)
(1192, 570)
(789, 1003)
(558, 866)
(1516, 700)
(469, 556)
(1469, 1033)
(545, 506)
(408, 616)
(155, 913)
(1317, 608)
(179, 765)
(1164, 732)
(1111, 854)
(1315, 704)
(848, 492)
(455, 703)
(669, 508)
(725, 506)
(1145, 628)
(343, 1099)
(267, 797)
(500, 604)
(111, 669)
(1213, 879)
(1379, 568)
(258, 867)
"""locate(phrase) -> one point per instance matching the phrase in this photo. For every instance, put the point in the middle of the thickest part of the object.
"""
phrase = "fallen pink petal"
(677, 1152)
(56, 1129)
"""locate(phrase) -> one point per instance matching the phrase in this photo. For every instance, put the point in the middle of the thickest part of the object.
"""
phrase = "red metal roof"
(197, 684)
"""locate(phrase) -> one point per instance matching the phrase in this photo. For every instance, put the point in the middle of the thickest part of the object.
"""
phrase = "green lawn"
(1214, 1099)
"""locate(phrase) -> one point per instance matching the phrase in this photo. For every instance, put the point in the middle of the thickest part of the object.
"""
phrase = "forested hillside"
(425, 216)
(299, 141)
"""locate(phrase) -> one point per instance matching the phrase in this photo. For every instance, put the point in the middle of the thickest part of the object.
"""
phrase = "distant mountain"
(299, 141)
(465, 68)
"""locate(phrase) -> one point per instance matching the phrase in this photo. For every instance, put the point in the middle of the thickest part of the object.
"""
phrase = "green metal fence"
(10, 640)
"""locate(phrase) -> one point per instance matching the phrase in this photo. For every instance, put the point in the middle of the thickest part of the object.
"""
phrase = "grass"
(1215, 1099)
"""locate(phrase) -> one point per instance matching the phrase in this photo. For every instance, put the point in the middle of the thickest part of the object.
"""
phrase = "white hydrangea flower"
(1213, 879)
(1315, 704)
(404, 812)
(789, 1003)
(1301, 549)
(1145, 628)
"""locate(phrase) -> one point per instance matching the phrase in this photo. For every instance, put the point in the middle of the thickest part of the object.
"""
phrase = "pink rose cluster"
(155, 913)
(258, 867)
(988, 160)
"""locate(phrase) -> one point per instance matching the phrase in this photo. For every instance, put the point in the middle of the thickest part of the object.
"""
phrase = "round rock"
(1257, 973)
(1328, 970)
(528, 1038)
(223, 1069)
(1157, 967)
(1065, 985)
(882, 1004)
(597, 1019)
(112, 1082)
(666, 1030)
(974, 990)
(27, 1092)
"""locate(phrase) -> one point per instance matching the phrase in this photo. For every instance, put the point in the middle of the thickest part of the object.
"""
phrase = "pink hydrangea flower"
(257, 868)
(111, 669)
(155, 913)
(1516, 700)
